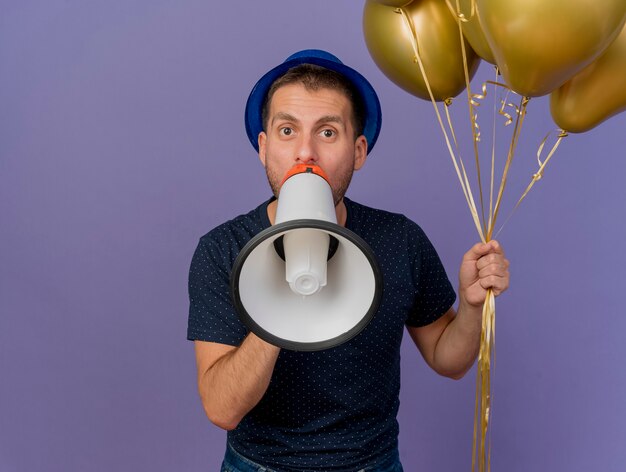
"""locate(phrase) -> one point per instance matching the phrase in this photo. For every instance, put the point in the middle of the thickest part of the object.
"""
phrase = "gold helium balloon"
(594, 94)
(389, 41)
(472, 30)
(394, 3)
(540, 44)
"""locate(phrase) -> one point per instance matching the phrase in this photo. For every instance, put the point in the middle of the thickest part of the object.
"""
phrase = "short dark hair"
(315, 77)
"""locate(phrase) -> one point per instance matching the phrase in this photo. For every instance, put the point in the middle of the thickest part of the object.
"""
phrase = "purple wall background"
(122, 142)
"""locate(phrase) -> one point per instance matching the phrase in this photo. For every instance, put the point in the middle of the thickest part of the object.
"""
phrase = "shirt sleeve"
(434, 294)
(212, 315)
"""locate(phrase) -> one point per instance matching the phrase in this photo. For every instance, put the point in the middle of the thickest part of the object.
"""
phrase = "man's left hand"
(483, 267)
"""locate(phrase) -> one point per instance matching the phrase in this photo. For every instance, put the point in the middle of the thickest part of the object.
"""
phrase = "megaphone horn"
(306, 283)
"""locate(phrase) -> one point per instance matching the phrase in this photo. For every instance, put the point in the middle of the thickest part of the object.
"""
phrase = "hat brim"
(254, 105)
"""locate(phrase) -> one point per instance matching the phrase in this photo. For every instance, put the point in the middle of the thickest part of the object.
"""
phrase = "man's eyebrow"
(281, 115)
(284, 116)
(330, 119)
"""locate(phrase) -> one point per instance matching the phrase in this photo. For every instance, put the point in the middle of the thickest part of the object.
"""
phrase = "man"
(330, 410)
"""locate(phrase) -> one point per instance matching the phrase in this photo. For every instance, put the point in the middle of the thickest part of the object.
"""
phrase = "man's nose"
(306, 152)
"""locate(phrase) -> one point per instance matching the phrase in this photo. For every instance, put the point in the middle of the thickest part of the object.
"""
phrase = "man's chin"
(274, 183)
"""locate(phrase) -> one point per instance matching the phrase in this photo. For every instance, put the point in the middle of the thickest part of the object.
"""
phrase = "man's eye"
(286, 131)
(328, 133)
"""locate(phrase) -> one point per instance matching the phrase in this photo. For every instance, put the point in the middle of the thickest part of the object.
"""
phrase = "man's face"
(311, 127)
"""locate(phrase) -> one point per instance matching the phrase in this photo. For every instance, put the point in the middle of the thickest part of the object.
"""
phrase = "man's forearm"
(483, 268)
(237, 381)
(458, 345)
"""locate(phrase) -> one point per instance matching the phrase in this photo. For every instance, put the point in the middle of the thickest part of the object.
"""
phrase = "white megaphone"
(306, 283)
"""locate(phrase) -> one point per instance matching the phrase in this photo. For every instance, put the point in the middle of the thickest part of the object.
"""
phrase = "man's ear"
(262, 139)
(360, 152)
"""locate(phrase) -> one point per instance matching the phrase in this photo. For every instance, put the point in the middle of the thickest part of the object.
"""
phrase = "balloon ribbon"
(514, 114)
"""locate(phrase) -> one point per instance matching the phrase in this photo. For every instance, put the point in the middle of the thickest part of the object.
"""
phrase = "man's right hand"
(232, 380)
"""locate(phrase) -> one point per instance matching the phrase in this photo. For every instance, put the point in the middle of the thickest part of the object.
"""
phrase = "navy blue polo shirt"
(331, 410)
